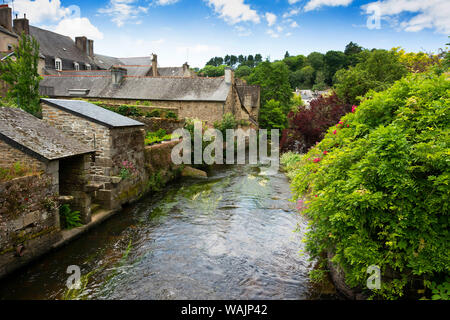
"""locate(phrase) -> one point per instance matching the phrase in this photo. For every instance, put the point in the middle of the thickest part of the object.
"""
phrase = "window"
(10, 47)
(76, 66)
(58, 64)
(88, 66)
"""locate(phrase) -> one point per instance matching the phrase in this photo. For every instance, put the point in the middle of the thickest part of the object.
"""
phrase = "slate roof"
(150, 88)
(94, 113)
(6, 31)
(36, 137)
(53, 44)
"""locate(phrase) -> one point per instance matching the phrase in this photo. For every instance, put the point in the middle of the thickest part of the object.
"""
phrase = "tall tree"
(21, 74)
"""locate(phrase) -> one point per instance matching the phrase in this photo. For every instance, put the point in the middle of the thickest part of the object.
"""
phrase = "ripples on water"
(230, 236)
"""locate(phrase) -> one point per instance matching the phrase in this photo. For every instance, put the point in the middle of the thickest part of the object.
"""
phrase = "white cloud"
(234, 11)
(76, 27)
(165, 2)
(292, 12)
(243, 32)
(272, 33)
(294, 24)
(429, 14)
(316, 4)
(60, 19)
(123, 11)
(271, 19)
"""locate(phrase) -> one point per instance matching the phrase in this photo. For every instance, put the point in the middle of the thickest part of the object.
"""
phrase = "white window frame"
(88, 66)
(76, 66)
(58, 64)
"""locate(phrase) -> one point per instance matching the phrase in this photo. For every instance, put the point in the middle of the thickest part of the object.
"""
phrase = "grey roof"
(94, 113)
(36, 137)
(150, 88)
(6, 31)
(53, 44)
(170, 72)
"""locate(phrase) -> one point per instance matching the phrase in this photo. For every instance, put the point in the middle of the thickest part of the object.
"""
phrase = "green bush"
(129, 111)
(156, 113)
(377, 187)
(228, 122)
(171, 115)
(69, 219)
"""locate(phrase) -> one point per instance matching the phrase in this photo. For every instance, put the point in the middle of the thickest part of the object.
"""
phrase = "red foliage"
(312, 123)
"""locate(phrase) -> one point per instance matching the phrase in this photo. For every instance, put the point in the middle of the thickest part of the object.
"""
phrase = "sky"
(193, 31)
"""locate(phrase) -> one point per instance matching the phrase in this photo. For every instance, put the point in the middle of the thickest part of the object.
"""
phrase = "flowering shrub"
(312, 123)
(380, 193)
(127, 170)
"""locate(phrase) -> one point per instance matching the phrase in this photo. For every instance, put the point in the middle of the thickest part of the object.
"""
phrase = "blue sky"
(196, 30)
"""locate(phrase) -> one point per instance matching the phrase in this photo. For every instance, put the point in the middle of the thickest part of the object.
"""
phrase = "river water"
(231, 236)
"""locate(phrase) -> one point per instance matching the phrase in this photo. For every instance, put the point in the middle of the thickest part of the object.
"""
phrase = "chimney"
(118, 75)
(6, 17)
(81, 43)
(154, 65)
(90, 45)
(229, 76)
(186, 72)
(22, 25)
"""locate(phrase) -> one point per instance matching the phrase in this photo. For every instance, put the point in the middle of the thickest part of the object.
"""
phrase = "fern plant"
(69, 219)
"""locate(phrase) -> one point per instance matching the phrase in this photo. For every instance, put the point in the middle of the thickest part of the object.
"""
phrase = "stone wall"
(29, 220)
(154, 124)
(10, 155)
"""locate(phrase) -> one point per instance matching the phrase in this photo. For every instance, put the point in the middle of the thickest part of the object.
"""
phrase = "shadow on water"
(230, 236)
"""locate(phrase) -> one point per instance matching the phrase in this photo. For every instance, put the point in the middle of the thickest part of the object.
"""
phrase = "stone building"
(29, 141)
(119, 166)
(207, 99)
(40, 167)
(8, 38)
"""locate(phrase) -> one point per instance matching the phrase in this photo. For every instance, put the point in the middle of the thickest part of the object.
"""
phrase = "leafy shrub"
(155, 113)
(158, 136)
(228, 122)
(171, 115)
(129, 111)
(309, 124)
(69, 219)
(377, 187)
(18, 169)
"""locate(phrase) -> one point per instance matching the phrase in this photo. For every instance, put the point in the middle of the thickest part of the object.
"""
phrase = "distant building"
(207, 99)
(116, 140)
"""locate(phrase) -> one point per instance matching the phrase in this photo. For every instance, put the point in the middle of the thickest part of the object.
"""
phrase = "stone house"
(8, 38)
(207, 99)
(118, 171)
(54, 168)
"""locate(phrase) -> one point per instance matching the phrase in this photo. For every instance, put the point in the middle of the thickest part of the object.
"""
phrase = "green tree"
(352, 51)
(274, 81)
(334, 61)
(243, 71)
(315, 60)
(22, 75)
(212, 71)
(378, 72)
(295, 63)
(272, 115)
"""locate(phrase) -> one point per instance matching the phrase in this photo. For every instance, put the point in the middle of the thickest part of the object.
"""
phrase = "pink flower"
(325, 152)
(334, 132)
(317, 160)
(348, 126)
(316, 196)
(340, 122)
(354, 109)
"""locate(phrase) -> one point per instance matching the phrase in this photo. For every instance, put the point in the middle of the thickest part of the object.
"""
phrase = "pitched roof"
(144, 88)
(6, 31)
(56, 45)
(94, 113)
(36, 137)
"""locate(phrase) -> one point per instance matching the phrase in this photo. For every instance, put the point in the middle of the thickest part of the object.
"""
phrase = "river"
(231, 236)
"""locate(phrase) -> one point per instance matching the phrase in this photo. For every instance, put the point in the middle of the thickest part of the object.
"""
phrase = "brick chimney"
(154, 58)
(22, 25)
(118, 75)
(85, 45)
(186, 70)
(6, 17)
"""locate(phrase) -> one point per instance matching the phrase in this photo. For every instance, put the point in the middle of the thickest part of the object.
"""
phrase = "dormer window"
(88, 66)
(58, 64)
(76, 66)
